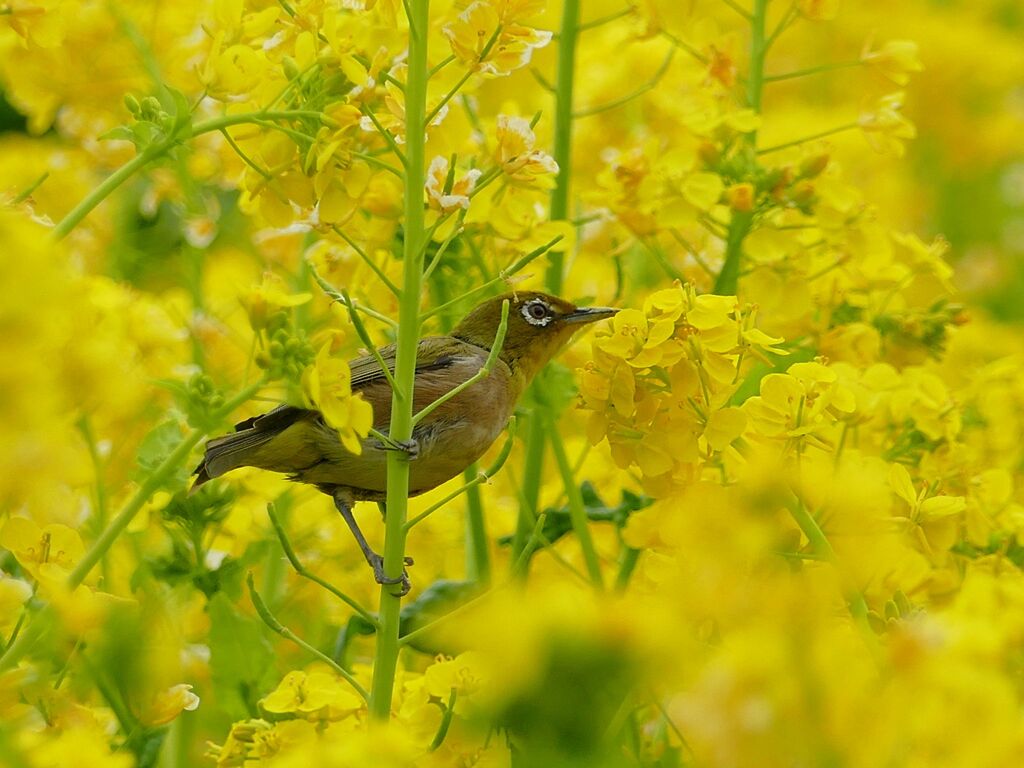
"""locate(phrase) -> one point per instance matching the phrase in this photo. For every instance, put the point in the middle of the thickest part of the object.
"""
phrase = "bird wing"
(431, 356)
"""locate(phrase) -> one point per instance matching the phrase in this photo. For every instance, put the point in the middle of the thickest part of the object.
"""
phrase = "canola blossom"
(770, 513)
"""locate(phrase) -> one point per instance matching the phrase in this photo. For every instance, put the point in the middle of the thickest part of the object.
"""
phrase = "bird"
(298, 441)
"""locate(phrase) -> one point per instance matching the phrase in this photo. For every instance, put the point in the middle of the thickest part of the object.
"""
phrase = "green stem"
(564, 81)
(158, 150)
(272, 622)
(505, 274)
(533, 467)
(387, 644)
(577, 511)
(478, 556)
(811, 71)
(112, 182)
(823, 550)
(727, 281)
(812, 137)
(293, 559)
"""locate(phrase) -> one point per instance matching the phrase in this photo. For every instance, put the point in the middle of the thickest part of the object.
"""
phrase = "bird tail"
(241, 448)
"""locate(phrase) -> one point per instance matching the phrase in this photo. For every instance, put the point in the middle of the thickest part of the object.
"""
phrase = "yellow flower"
(168, 704)
(516, 155)
(442, 197)
(894, 60)
(270, 295)
(885, 126)
(313, 696)
(327, 387)
(487, 37)
(34, 546)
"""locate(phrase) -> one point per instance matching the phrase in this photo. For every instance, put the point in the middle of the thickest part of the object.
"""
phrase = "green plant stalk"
(387, 645)
(577, 511)
(728, 279)
(156, 151)
(478, 556)
(823, 549)
(533, 467)
(564, 81)
(42, 620)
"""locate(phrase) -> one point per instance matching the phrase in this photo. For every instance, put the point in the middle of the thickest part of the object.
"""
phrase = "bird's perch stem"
(386, 656)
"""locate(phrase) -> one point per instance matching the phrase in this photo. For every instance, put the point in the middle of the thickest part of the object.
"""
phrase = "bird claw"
(377, 563)
(410, 448)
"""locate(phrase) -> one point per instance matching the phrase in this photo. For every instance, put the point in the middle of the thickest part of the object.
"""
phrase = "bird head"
(538, 326)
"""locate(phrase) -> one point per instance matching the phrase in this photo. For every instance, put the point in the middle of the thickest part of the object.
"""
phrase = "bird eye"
(537, 311)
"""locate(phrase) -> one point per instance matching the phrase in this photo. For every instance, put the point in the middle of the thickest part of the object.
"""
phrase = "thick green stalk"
(728, 279)
(478, 557)
(386, 656)
(564, 81)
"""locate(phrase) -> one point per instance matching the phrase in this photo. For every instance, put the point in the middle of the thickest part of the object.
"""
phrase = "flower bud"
(741, 197)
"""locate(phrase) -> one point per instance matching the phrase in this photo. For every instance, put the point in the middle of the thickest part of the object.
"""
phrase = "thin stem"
(783, 24)
(378, 163)
(440, 65)
(289, 552)
(502, 277)
(446, 722)
(736, 7)
(483, 373)
(577, 511)
(107, 186)
(565, 78)
(386, 135)
(648, 86)
(602, 20)
(159, 149)
(387, 637)
(26, 193)
(805, 139)
(823, 549)
(366, 259)
(812, 71)
(245, 158)
(276, 626)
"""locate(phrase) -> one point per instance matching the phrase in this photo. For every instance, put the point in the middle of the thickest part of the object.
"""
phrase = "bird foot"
(410, 448)
(377, 563)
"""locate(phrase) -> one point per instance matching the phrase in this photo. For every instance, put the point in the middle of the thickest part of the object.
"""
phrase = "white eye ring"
(537, 319)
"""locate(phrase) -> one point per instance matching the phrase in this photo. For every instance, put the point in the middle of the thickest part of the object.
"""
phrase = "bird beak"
(585, 315)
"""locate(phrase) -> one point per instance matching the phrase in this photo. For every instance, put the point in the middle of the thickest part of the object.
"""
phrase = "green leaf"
(158, 444)
(118, 133)
(241, 658)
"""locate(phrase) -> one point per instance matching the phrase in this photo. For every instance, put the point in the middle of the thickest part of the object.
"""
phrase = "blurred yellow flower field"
(771, 513)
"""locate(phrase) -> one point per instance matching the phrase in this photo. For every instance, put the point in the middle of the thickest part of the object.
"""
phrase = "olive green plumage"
(296, 440)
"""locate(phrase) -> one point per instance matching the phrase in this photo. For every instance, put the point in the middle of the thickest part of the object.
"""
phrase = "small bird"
(299, 442)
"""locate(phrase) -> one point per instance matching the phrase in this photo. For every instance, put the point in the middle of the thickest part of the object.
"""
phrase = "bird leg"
(343, 502)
